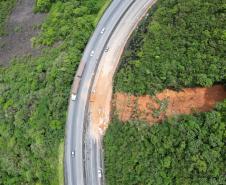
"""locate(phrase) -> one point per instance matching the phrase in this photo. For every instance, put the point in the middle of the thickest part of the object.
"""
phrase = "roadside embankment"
(167, 103)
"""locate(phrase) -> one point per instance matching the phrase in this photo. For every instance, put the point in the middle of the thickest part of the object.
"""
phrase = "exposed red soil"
(186, 101)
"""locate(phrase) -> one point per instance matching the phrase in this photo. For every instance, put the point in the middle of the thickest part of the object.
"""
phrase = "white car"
(73, 97)
(102, 31)
(73, 154)
(92, 53)
(99, 173)
(106, 49)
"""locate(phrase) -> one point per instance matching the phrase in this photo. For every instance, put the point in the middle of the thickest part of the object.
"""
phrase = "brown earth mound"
(167, 103)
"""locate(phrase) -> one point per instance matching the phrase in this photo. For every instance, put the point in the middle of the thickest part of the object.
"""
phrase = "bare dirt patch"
(167, 103)
(21, 27)
(100, 98)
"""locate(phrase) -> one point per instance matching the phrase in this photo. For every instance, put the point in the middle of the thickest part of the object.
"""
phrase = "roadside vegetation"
(187, 149)
(181, 44)
(6, 7)
(34, 94)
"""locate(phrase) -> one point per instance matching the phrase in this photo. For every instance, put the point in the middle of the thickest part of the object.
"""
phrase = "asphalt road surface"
(83, 154)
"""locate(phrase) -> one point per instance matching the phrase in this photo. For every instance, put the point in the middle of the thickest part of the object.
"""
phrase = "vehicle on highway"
(102, 31)
(92, 53)
(99, 173)
(85, 166)
(73, 154)
(73, 97)
(106, 49)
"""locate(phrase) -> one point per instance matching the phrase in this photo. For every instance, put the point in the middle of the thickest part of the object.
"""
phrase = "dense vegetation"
(34, 94)
(5, 8)
(184, 150)
(181, 44)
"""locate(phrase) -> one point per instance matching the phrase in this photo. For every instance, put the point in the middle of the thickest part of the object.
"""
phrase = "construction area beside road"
(101, 93)
(88, 111)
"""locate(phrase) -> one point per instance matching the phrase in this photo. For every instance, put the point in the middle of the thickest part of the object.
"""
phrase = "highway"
(83, 152)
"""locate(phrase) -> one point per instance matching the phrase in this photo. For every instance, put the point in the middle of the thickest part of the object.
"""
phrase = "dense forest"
(34, 94)
(184, 150)
(5, 9)
(181, 44)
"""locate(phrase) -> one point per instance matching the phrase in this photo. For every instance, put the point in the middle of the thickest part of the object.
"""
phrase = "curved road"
(83, 154)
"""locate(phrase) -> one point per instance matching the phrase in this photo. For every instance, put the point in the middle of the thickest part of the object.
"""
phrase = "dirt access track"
(101, 93)
(153, 109)
(20, 29)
